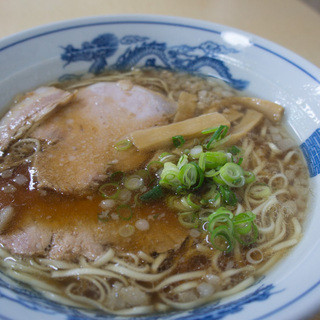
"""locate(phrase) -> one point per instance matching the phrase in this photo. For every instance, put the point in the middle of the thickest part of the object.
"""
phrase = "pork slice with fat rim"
(30, 111)
(81, 137)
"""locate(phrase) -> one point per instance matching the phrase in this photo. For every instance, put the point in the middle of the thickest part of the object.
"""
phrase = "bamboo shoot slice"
(160, 137)
(248, 122)
(270, 110)
(232, 115)
(187, 104)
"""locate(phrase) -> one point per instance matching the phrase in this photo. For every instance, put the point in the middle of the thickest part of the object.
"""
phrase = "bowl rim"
(287, 55)
(192, 23)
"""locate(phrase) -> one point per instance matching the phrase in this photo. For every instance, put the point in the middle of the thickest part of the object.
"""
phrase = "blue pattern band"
(311, 151)
(136, 50)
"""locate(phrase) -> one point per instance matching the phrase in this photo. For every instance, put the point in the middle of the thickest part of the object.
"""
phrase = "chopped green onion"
(124, 212)
(110, 190)
(188, 175)
(232, 174)
(204, 215)
(153, 194)
(247, 238)
(211, 198)
(212, 160)
(200, 176)
(182, 161)
(216, 201)
(181, 190)
(222, 217)
(234, 150)
(246, 232)
(195, 152)
(219, 134)
(249, 177)
(260, 191)
(137, 200)
(188, 219)
(154, 165)
(240, 161)
(143, 173)
(227, 196)
(211, 173)
(224, 228)
(217, 179)
(133, 182)
(126, 231)
(166, 156)
(243, 222)
(123, 145)
(209, 130)
(169, 177)
(222, 239)
(244, 217)
(178, 141)
(210, 193)
(177, 203)
(192, 203)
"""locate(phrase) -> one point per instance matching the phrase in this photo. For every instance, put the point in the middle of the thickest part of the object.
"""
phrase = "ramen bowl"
(77, 48)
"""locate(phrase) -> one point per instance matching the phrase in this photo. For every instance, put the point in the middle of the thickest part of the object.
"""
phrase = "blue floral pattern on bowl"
(34, 301)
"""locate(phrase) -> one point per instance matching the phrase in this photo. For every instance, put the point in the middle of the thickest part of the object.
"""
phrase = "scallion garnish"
(110, 190)
(166, 156)
(154, 166)
(178, 141)
(234, 150)
(188, 175)
(123, 145)
(200, 177)
(212, 160)
(249, 177)
(169, 177)
(133, 182)
(260, 191)
(153, 194)
(246, 232)
(222, 239)
(124, 212)
(191, 201)
(227, 196)
(188, 219)
(182, 161)
(232, 175)
(240, 161)
(218, 135)
(225, 229)
(195, 152)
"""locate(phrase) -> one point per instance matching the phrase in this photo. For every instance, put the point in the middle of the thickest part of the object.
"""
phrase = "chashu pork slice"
(67, 230)
(31, 110)
(81, 137)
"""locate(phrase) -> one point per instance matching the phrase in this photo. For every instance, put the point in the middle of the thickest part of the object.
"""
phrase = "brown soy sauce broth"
(268, 149)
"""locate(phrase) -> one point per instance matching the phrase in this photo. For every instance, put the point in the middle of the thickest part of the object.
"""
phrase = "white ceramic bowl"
(66, 49)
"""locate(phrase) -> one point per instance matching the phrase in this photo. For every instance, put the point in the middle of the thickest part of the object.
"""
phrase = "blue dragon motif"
(136, 50)
(131, 39)
(98, 50)
(132, 57)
